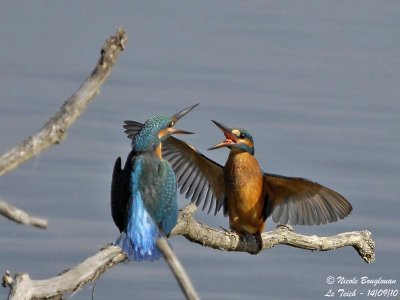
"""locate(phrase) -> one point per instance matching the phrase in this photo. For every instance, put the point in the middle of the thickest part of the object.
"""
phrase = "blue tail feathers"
(138, 241)
(137, 252)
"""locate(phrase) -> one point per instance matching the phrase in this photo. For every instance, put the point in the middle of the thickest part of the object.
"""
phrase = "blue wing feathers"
(170, 207)
(138, 240)
(152, 208)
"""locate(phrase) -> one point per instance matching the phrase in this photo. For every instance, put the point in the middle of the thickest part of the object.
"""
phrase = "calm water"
(316, 83)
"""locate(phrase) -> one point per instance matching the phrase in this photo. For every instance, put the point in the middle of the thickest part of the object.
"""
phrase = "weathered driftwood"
(22, 287)
(54, 131)
(283, 234)
(19, 216)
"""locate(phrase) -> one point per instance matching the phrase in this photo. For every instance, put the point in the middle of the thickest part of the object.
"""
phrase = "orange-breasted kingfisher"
(247, 194)
(144, 193)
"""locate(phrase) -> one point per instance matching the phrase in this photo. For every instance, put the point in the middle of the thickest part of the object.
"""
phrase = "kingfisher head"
(158, 128)
(236, 139)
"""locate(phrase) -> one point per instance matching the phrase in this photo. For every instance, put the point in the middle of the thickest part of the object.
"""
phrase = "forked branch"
(54, 131)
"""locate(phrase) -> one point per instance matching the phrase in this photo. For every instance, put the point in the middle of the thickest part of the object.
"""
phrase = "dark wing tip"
(198, 177)
(132, 123)
(327, 206)
(116, 195)
(131, 128)
(299, 201)
(120, 190)
(117, 164)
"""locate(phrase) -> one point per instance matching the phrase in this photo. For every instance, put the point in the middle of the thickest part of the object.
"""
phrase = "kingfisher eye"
(170, 124)
(242, 135)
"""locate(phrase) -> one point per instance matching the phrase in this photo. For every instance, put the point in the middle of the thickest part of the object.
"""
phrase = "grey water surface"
(317, 83)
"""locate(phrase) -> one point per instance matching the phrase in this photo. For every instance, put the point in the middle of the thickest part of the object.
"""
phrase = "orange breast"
(244, 192)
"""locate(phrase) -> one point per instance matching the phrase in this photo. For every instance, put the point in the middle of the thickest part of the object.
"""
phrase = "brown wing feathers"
(200, 178)
(300, 201)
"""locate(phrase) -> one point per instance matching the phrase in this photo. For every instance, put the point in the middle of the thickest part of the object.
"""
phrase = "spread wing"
(120, 191)
(300, 201)
(198, 177)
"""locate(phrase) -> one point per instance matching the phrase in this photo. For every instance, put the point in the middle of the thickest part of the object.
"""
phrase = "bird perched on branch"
(144, 192)
(247, 194)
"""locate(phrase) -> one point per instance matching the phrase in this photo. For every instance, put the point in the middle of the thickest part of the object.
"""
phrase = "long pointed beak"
(173, 130)
(224, 143)
(180, 114)
(175, 119)
(230, 138)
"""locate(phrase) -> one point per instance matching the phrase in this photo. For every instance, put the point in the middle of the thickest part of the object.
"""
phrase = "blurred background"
(316, 83)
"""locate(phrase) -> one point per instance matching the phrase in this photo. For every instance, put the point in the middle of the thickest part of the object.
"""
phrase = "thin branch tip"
(111, 48)
(7, 280)
(367, 248)
(19, 216)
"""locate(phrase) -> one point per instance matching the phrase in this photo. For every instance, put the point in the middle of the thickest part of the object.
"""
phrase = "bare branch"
(19, 216)
(55, 130)
(176, 268)
(283, 234)
(23, 287)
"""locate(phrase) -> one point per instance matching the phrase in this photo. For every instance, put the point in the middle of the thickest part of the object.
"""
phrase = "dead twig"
(19, 216)
(54, 131)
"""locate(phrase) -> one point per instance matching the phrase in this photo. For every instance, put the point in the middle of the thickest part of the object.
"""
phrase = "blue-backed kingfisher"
(144, 193)
(247, 194)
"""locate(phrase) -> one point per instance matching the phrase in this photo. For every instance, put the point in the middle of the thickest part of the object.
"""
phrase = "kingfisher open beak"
(230, 138)
(179, 115)
(173, 130)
